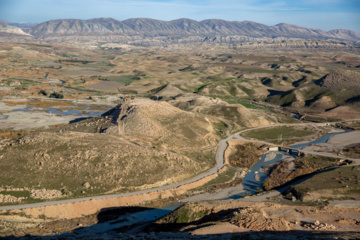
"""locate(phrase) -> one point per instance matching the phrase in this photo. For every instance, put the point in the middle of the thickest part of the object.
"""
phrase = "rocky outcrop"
(5, 198)
(45, 194)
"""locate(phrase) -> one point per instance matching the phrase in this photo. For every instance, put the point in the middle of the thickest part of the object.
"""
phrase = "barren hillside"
(219, 217)
(139, 144)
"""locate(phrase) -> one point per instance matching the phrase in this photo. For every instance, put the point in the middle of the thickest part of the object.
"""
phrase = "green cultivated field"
(275, 133)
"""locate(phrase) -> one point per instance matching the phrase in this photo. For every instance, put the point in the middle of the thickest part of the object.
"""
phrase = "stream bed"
(251, 184)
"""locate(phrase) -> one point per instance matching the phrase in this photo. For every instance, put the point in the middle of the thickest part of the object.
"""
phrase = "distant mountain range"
(144, 27)
(20, 25)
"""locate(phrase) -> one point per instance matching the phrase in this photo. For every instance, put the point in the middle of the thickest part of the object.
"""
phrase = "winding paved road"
(219, 165)
(241, 190)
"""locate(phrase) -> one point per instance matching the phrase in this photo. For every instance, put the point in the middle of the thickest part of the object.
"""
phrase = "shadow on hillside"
(299, 82)
(108, 220)
(121, 219)
(127, 222)
(302, 178)
(79, 119)
(131, 222)
(207, 220)
(274, 92)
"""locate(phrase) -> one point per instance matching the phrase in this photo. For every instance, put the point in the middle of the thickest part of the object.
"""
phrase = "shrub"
(42, 92)
(56, 95)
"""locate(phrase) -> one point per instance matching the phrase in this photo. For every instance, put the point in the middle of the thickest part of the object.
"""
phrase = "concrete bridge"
(290, 150)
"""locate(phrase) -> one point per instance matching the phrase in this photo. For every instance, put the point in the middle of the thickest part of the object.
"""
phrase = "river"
(251, 184)
(322, 139)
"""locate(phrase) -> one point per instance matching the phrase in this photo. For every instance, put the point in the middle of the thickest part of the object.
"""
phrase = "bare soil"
(220, 216)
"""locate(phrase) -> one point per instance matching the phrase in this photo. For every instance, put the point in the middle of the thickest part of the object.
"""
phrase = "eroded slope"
(139, 144)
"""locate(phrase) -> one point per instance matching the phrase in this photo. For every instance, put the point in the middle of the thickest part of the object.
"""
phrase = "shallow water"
(322, 139)
(59, 111)
(253, 181)
(22, 109)
(73, 112)
(251, 184)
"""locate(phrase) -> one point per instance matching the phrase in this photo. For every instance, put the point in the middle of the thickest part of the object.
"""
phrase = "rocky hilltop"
(180, 28)
(157, 121)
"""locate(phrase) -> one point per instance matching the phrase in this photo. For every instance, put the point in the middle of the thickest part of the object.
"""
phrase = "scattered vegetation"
(245, 155)
(286, 171)
(73, 61)
(124, 79)
(11, 134)
(56, 95)
(184, 214)
(220, 129)
(223, 180)
(42, 92)
(156, 90)
(38, 103)
(18, 194)
(283, 99)
(198, 88)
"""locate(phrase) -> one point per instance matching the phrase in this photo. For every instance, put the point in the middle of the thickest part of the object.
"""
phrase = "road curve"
(222, 145)
(220, 161)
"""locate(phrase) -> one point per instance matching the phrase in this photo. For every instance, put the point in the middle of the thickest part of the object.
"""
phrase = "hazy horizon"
(317, 14)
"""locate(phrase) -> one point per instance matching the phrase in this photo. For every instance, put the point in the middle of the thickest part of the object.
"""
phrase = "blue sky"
(321, 14)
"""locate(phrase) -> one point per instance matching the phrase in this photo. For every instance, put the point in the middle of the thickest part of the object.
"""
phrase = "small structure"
(273, 148)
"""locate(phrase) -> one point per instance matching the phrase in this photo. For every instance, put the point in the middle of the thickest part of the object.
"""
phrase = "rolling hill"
(335, 90)
(139, 144)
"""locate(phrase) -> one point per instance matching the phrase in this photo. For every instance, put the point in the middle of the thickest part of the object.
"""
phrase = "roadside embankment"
(92, 206)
